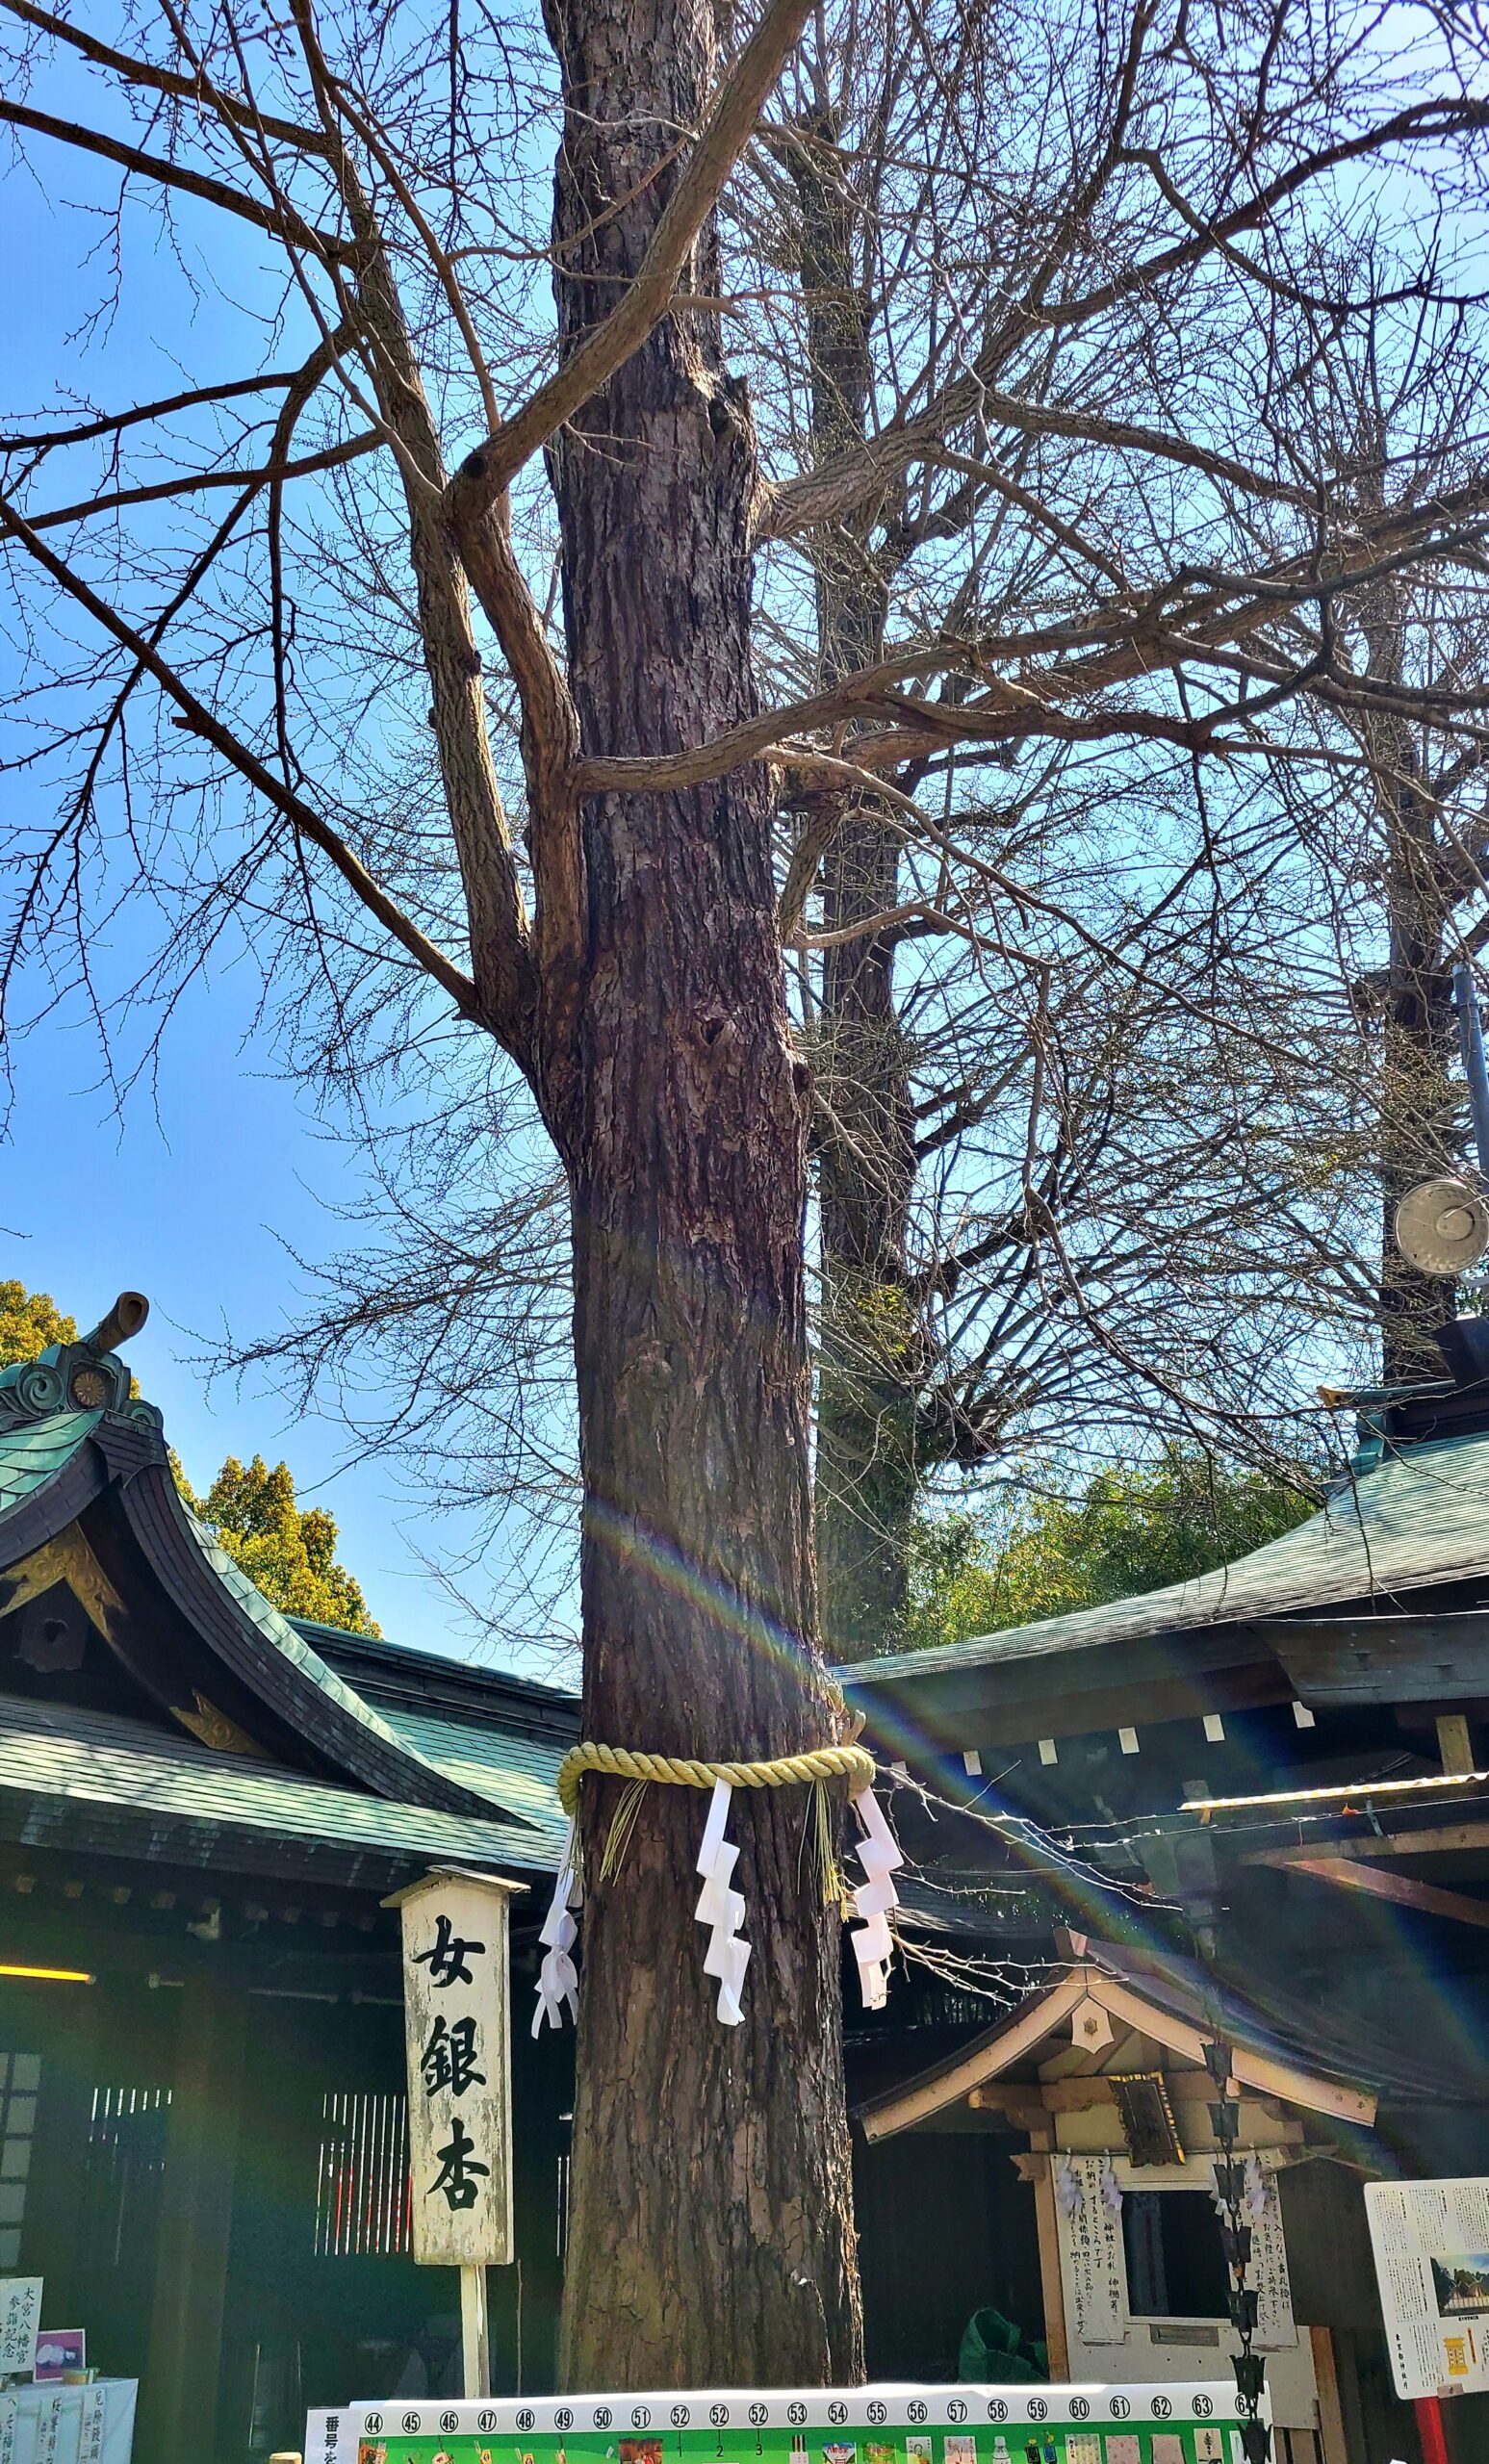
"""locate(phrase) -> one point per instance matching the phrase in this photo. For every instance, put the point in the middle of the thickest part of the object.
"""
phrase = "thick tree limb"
(110, 423)
(302, 817)
(550, 745)
(502, 953)
(731, 118)
(852, 480)
(819, 832)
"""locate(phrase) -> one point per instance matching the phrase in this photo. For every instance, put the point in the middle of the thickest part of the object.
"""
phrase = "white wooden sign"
(1276, 2328)
(1091, 2232)
(21, 2316)
(457, 2026)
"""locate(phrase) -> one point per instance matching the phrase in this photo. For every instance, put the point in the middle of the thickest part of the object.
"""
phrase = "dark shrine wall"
(945, 2227)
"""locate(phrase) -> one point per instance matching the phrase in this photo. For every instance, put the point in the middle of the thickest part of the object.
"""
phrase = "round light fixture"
(1442, 1226)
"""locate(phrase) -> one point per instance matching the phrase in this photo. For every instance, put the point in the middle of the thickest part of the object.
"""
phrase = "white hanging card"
(1276, 2328)
(1090, 2237)
(21, 2316)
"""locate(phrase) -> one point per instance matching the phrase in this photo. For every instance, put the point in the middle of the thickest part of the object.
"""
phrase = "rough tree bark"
(686, 1152)
(867, 1473)
(1418, 1110)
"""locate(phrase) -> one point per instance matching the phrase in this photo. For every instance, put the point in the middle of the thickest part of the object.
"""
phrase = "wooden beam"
(904, 2107)
(1337, 1661)
(1023, 2107)
(1326, 2379)
(1249, 2069)
(180, 2383)
(1076, 1711)
(1028, 2106)
(1404, 1891)
(1051, 2286)
(1453, 1837)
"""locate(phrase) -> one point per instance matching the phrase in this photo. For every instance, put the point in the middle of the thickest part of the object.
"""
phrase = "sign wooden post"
(457, 2032)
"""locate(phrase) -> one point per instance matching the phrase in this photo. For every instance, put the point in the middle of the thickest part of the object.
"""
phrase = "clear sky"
(189, 1197)
(195, 1192)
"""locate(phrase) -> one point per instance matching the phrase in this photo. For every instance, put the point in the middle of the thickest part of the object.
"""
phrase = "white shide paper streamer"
(722, 1909)
(873, 1944)
(558, 1979)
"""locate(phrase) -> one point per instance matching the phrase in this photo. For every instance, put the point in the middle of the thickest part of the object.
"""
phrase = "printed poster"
(1430, 2242)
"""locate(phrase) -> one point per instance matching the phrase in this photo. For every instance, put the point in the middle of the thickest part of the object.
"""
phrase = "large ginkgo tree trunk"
(717, 2248)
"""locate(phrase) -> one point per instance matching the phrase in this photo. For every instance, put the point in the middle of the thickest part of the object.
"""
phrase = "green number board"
(1178, 2424)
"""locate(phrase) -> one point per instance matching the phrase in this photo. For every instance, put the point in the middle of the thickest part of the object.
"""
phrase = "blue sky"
(194, 1192)
(189, 1196)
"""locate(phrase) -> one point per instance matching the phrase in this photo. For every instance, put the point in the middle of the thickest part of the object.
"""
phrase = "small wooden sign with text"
(457, 2027)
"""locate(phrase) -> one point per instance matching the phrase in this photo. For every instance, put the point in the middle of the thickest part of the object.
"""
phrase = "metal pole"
(475, 2332)
(1471, 1044)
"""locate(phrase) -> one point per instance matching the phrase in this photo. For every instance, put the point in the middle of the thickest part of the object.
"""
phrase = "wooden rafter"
(1404, 1891)
(1442, 1840)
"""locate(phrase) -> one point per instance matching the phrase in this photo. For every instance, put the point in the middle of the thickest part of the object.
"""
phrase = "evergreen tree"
(1132, 1528)
(288, 1549)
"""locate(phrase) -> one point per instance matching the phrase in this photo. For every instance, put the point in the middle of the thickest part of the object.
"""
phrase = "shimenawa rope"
(851, 1762)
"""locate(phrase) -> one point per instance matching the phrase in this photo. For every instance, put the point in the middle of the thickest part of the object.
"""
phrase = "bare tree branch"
(302, 817)
(726, 130)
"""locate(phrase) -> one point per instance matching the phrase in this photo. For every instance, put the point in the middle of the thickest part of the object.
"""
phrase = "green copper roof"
(277, 1630)
(33, 1453)
(1422, 1518)
(518, 1773)
(94, 1758)
(505, 1765)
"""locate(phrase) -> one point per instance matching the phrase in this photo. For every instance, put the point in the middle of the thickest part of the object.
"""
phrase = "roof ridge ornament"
(86, 1376)
(118, 1324)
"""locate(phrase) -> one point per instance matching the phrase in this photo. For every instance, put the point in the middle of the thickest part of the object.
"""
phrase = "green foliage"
(1131, 1529)
(30, 1321)
(289, 1551)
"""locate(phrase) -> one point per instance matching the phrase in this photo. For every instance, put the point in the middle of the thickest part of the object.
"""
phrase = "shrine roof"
(33, 1453)
(1419, 1521)
(501, 1734)
(84, 1779)
(1335, 2067)
(214, 1656)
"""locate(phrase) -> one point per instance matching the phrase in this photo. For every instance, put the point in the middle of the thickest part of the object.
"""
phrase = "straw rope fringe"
(851, 1762)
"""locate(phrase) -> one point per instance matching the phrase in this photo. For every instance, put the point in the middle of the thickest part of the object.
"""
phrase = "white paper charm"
(873, 1944)
(558, 1979)
(722, 1909)
(1256, 2192)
